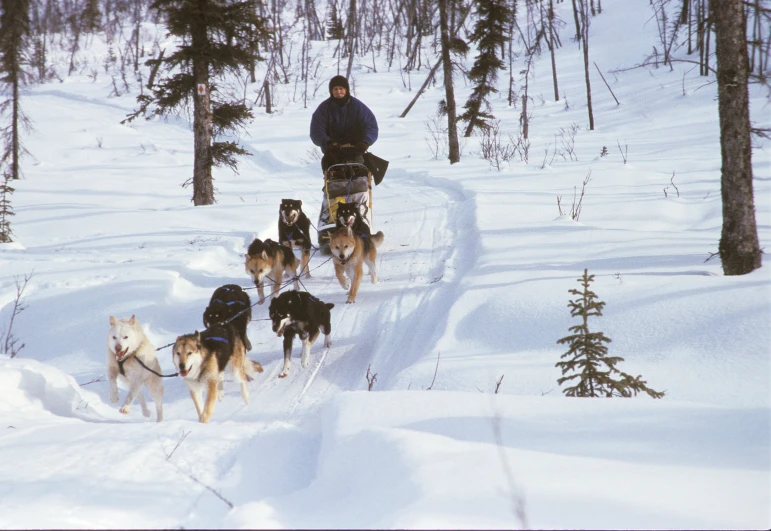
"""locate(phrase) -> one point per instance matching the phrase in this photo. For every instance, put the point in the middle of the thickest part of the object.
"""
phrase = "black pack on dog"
(294, 230)
(227, 301)
(349, 215)
(300, 313)
(220, 340)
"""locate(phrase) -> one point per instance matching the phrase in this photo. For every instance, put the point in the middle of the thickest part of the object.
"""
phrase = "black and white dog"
(349, 215)
(294, 230)
(228, 301)
(300, 313)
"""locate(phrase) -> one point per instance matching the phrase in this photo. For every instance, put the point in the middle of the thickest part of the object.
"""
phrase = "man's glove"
(332, 146)
(355, 149)
(361, 147)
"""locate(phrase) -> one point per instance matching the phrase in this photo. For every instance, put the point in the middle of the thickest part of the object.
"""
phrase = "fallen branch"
(606, 83)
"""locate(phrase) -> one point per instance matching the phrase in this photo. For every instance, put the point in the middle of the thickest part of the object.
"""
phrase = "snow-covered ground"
(474, 278)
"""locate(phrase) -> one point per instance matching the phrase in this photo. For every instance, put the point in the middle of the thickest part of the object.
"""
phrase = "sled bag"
(376, 165)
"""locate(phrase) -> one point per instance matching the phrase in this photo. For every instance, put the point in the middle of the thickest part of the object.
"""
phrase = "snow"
(474, 278)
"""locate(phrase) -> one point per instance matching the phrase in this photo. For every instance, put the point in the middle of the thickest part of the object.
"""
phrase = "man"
(339, 120)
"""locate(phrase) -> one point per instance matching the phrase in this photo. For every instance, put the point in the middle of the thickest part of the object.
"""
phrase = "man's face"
(338, 92)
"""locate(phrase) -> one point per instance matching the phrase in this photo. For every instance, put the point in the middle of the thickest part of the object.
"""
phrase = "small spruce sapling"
(587, 357)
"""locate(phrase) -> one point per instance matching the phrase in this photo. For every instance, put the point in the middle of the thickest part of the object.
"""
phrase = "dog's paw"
(282, 374)
(114, 397)
(220, 395)
(347, 285)
(261, 301)
(350, 300)
(146, 412)
(125, 410)
(327, 341)
(374, 278)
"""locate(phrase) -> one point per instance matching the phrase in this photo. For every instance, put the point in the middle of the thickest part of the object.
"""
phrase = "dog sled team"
(344, 128)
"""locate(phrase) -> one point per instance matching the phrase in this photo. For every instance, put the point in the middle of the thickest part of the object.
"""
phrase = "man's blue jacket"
(345, 124)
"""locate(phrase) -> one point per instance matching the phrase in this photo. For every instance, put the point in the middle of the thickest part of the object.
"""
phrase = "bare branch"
(436, 369)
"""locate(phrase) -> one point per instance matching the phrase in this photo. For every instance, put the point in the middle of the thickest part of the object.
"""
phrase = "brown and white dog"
(268, 259)
(350, 252)
(201, 359)
(127, 346)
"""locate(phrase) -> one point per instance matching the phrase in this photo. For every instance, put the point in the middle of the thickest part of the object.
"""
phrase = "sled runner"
(348, 182)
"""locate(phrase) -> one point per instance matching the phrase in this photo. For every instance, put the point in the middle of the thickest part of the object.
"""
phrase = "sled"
(347, 182)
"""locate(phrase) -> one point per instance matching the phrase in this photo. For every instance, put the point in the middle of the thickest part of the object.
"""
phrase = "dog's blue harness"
(230, 303)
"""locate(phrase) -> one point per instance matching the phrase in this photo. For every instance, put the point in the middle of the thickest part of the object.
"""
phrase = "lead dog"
(300, 313)
(349, 253)
(268, 259)
(127, 345)
(230, 303)
(201, 359)
(294, 230)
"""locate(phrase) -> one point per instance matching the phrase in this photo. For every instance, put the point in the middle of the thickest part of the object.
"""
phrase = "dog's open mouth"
(119, 354)
(184, 373)
(282, 326)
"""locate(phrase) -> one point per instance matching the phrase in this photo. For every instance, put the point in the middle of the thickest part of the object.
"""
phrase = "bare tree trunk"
(585, 21)
(577, 20)
(315, 30)
(268, 103)
(154, 70)
(203, 186)
(422, 89)
(449, 90)
(16, 127)
(351, 38)
(552, 46)
(739, 246)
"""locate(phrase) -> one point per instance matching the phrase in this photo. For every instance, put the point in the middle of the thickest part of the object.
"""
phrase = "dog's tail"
(255, 365)
(377, 239)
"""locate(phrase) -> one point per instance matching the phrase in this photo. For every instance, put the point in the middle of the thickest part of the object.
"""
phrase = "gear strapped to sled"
(347, 182)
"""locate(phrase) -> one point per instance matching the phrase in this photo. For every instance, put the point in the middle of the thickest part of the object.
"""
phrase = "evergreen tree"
(218, 37)
(14, 28)
(5, 210)
(490, 35)
(587, 357)
(335, 28)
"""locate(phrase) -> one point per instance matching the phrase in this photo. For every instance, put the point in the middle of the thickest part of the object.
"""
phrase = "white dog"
(127, 345)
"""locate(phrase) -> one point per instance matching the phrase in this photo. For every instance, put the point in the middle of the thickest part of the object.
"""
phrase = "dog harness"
(230, 303)
(120, 364)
